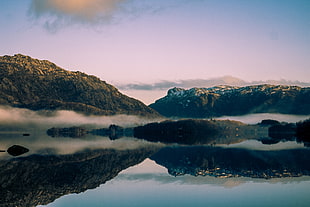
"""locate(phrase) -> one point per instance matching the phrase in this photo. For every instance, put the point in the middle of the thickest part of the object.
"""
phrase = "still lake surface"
(95, 171)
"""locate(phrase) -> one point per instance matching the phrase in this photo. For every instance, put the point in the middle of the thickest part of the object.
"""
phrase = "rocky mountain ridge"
(41, 85)
(234, 100)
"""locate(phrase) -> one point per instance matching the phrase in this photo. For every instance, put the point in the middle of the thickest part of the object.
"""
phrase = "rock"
(17, 150)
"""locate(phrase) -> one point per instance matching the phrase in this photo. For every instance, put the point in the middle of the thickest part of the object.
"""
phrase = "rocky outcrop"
(41, 85)
(230, 100)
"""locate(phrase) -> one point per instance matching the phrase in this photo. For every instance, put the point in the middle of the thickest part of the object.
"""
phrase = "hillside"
(230, 100)
(41, 85)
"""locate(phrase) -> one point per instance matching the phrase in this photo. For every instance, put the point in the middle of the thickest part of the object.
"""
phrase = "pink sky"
(131, 41)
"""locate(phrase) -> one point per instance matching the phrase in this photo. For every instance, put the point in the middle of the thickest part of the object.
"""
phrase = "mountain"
(41, 85)
(233, 100)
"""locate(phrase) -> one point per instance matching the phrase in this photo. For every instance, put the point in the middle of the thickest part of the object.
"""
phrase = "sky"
(149, 41)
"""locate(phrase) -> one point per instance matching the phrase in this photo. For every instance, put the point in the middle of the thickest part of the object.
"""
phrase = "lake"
(97, 171)
(150, 185)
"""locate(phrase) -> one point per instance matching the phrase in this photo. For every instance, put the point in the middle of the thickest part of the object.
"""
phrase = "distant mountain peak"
(234, 100)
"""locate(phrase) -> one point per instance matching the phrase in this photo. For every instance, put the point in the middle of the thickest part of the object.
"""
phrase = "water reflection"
(38, 179)
(59, 166)
(148, 184)
(149, 170)
(233, 162)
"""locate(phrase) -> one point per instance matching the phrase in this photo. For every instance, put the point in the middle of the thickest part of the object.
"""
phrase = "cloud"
(83, 9)
(225, 80)
(57, 14)
(162, 85)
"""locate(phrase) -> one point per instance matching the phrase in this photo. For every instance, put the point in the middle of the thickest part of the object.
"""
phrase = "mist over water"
(19, 116)
(15, 123)
(257, 118)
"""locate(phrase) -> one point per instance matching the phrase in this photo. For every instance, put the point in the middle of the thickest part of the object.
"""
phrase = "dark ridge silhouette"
(195, 132)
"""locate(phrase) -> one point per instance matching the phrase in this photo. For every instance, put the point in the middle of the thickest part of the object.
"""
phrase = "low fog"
(28, 128)
(16, 122)
(258, 117)
(21, 117)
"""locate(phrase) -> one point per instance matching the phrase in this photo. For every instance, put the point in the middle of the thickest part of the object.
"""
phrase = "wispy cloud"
(57, 14)
(82, 9)
(225, 80)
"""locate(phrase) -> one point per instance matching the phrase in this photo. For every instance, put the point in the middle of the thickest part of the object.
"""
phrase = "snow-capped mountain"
(233, 100)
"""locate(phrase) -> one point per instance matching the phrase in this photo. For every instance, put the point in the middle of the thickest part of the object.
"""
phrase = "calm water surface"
(95, 171)
(148, 184)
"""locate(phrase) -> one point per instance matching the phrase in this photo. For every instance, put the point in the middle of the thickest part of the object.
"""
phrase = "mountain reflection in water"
(40, 179)
(55, 167)
(234, 162)
(37, 179)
